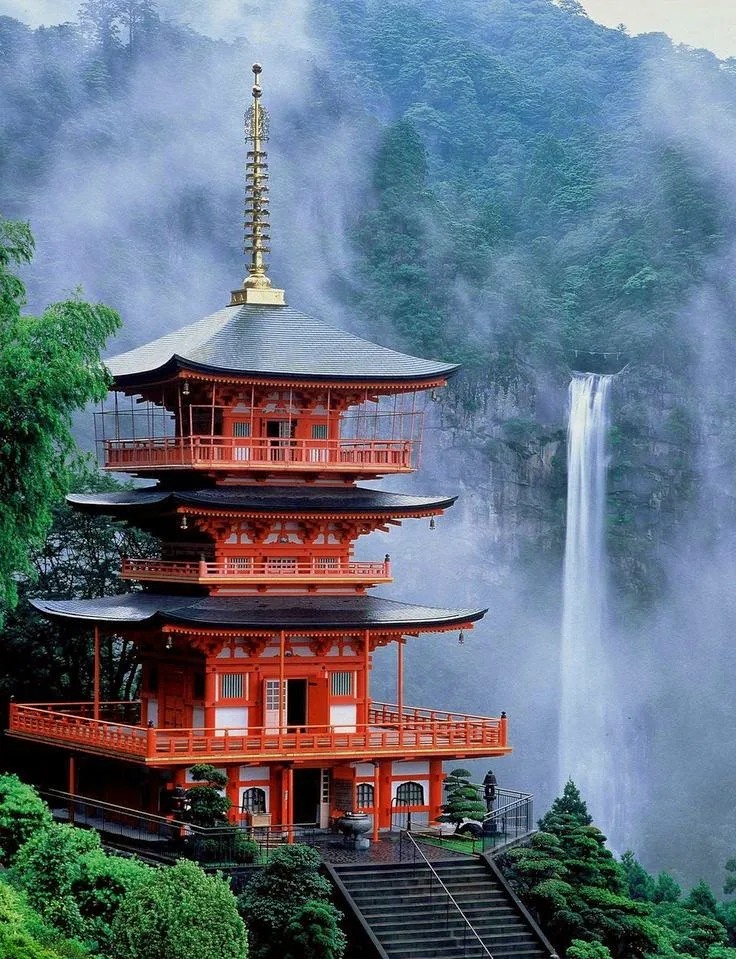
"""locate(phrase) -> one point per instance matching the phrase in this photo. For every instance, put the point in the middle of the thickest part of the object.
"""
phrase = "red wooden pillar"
(385, 809)
(376, 799)
(366, 677)
(400, 686)
(287, 801)
(96, 676)
(282, 661)
(210, 695)
(435, 789)
(232, 791)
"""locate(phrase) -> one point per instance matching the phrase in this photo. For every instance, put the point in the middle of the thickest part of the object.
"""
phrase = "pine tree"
(463, 799)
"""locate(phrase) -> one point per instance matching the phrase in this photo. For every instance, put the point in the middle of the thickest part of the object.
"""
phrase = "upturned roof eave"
(166, 499)
(167, 609)
(181, 364)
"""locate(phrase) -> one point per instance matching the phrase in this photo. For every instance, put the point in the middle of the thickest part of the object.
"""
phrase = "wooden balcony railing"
(391, 732)
(218, 452)
(240, 571)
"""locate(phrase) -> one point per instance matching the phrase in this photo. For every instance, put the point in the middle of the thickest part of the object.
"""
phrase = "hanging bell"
(184, 524)
(461, 639)
(432, 524)
(185, 388)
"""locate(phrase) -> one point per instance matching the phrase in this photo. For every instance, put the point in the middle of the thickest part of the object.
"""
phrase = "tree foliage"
(50, 366)
(290, 894)
(22, 814)
(24, 935)
(462, 798)
(206, 804)
(74, 885)
(180, 913)
(79, 558)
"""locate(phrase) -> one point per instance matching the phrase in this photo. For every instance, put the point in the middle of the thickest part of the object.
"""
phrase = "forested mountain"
(501, 182)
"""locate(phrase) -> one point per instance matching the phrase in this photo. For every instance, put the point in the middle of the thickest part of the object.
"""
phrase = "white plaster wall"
(343, 717)
(231, 717)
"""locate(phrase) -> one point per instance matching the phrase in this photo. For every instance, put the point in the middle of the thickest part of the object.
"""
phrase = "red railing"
(391, 731)
(354, 455)
(268, 571)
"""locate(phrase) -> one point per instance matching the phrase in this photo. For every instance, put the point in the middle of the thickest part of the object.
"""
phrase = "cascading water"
(588, 724)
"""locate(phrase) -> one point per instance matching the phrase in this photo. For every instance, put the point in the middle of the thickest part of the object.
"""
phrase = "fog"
(674, 665)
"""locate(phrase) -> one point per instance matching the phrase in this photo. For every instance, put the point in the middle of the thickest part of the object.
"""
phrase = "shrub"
(181, 913)
(22, 813)
(276, 900)
(73, 884)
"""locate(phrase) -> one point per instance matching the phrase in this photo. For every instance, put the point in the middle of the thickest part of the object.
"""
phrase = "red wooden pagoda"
(256, 625)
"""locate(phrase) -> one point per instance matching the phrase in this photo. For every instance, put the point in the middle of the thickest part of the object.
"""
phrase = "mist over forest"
(502, 183)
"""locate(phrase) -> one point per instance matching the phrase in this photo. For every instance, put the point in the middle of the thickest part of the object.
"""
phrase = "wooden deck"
(218, 452)
(276, 572)
(391, 733)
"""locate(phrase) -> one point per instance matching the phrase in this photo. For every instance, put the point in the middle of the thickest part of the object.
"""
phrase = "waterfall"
(588, 723)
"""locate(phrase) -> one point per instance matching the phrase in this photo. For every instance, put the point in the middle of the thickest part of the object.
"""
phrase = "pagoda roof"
(258, 612)
(260, 499)
(271, 342)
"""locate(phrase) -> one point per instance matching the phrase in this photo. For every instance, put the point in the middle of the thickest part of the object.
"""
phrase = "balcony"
(358, 456)
(271, 572)
(392, 732)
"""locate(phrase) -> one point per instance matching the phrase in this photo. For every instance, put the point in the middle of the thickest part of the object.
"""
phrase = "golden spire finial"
(256, 286)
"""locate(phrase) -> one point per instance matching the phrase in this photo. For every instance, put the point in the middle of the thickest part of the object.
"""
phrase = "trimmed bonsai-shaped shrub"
(462, 799)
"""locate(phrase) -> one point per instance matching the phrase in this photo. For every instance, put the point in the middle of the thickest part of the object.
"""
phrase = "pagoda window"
(410, 794)
(364, 795)
(282, 564)
(341, 683)
(319, 431)
(239, 563)
(232, 685)
(254, 800)
(241, 430)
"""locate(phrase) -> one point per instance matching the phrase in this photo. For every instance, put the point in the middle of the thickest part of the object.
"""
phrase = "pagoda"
(256, 626)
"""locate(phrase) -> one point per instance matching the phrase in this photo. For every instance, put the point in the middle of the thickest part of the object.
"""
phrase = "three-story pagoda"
(255, 624)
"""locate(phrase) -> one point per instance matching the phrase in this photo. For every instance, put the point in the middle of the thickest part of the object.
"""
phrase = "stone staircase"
(405, 913)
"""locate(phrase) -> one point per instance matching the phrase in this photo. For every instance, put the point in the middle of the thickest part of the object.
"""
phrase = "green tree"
(180, 913)
(462, 799)
(641, 885)
(49, 367)
(206, 804)
(570, 804)
(574, 886)
(23, 934)
(579, 949)
(22, 814)
(79, 558)
(74, 885)
(666, 889)
(275, 898)
(314, 933)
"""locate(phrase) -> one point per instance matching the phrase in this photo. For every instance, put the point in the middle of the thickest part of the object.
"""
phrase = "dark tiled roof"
(256, 612)
(251, 498)
(273, 341)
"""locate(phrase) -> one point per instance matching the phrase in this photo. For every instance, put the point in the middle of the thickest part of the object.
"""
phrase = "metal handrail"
(447, 892)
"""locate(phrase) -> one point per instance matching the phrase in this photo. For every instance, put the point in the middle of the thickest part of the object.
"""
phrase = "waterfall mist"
(587, 709)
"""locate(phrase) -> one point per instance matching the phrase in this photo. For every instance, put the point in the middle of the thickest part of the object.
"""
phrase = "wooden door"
(271, 720)
(174, 696)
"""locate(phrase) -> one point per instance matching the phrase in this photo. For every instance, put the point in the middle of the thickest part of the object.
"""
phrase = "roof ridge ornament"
(256, 286)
